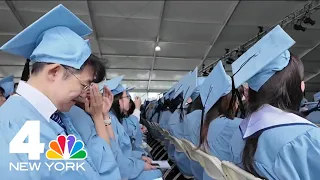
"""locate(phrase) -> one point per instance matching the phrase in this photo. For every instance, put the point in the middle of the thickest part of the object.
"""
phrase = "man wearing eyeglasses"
(63, 69)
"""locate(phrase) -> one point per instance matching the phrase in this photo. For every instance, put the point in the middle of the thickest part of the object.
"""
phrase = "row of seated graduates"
(68, 104)
(218, 119)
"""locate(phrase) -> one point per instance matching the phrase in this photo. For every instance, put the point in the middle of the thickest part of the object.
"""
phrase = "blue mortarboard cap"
(7, 84)
(120, 89)
(196, 92)
(262, 60)
(111, 84)
(54, 38)
(216, 85)
(316, 96)
(191, 85)
(167, 94)
(181, 85)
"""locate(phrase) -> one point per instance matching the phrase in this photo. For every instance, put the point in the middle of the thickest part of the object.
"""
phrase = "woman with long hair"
(87, 118)
(132, 164)
(279, 143)
(192, 123)
(218, 115)
(131, 124)
(177, 122)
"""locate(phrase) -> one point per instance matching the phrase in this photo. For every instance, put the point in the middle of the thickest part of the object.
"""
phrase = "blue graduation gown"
(164, 118)
(220, 132)
(130, 164)
(176, 129)
(288, 147)
(192, 133)
(132, 127)
(14, 113)
(98, 148)
(295, 154)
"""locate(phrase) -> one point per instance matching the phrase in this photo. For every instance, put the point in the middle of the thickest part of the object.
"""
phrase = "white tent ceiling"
(126, 32)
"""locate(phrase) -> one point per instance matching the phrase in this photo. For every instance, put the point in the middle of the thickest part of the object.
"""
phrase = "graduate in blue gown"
(59, 76)
(191, 124)
(132, 164)
(177, 120)
(132, 126)
(279, 144)
(91, 128)
(219, 122)
(6, 88)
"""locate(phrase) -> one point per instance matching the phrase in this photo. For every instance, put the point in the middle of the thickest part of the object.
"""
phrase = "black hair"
(283, 91)
(115, 107)
(159, 108)
(2, 91)
(26, 71)
(195, 105)
(15, 85)
(221, 107)
(132, 107)
(173, 104)
(93, 61)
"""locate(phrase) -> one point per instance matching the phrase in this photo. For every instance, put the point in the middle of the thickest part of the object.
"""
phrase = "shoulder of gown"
(220, 133)
(289, 152)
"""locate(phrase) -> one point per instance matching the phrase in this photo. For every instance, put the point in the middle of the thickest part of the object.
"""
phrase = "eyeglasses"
(85, 86)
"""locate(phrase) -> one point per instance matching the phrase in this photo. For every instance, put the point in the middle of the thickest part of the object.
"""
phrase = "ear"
(303, 86)
(54, 71)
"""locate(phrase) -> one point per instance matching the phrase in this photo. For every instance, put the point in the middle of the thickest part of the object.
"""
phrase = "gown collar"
(267, 117)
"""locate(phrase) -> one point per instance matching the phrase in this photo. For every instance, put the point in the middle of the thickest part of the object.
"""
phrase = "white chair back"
(177, 143)
(190, 149)
(211, 165)
(233, 172)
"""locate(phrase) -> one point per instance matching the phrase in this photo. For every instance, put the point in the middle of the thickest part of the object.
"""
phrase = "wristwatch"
(107, 122)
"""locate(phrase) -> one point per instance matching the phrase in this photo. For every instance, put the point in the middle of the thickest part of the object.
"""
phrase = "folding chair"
(190, 148)
(179, 148)
(177, 143)
(210, 164)
(233, 172)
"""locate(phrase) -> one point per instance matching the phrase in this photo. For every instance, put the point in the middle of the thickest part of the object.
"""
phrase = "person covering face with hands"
(89, 118)
(59, 76)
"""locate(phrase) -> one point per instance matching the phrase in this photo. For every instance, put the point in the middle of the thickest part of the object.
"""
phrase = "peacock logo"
(66, 147)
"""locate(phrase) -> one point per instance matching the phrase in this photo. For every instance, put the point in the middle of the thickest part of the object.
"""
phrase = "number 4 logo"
(33, 148)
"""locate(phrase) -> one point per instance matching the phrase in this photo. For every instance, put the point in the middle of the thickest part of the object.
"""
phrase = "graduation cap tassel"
(201, 128)
(26, 71)
(233, 94)
(236, 93)
(202, 116)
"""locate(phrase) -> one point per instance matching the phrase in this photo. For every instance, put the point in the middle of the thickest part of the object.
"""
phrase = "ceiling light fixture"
(157, 49)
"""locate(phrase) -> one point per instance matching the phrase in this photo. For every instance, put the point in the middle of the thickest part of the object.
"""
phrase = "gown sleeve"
(130, 167)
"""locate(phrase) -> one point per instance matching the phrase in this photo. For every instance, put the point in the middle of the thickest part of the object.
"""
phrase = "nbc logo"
(66, 148)
(62, 148)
